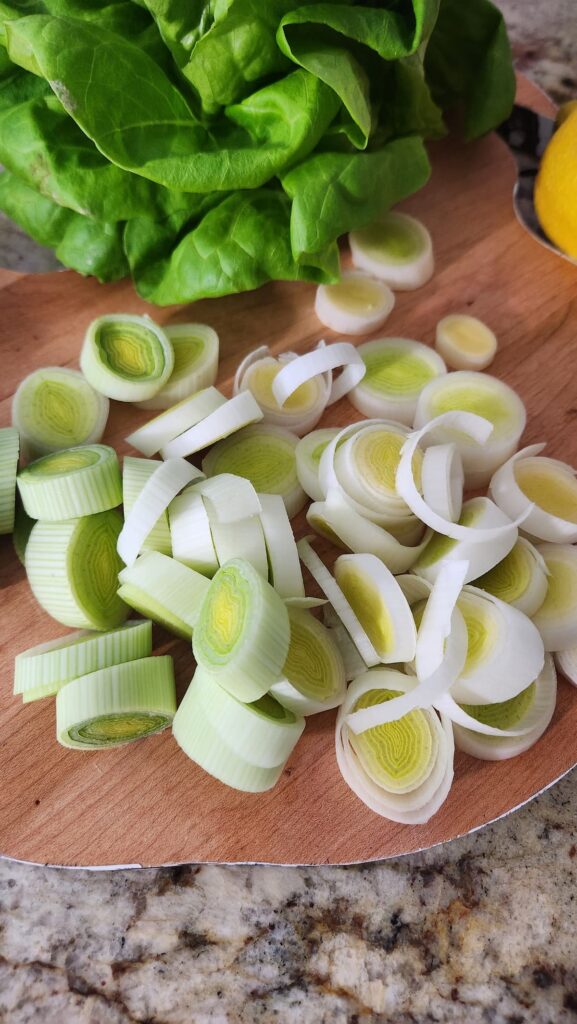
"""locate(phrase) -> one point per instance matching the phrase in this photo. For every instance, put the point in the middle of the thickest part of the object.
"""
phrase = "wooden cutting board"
(147, 803)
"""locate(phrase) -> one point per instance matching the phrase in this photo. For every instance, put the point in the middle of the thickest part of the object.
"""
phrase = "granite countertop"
(480, 930)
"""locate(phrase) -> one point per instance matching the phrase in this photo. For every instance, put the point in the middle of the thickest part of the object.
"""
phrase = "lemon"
(556, 187)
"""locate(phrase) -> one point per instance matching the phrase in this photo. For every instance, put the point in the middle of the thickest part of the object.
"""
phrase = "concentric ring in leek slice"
(57, 408)
(397, 249)
(397, 371)
(164, 590)
(71, 483)
(42, 670)
(73, 567)
(301, 412)
(9, 452)
(308, 456)
(314, 672)
(195, 348)
(547, 484)
(116, 705)
(126, 357)
(478, 514)
(465, 342)
(135, 473)
(556, 619)
(519, 579)
(243, 632)
(158, 432)
(357, 304)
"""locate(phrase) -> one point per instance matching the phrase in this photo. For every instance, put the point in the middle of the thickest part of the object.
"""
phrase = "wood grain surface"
(147, 803)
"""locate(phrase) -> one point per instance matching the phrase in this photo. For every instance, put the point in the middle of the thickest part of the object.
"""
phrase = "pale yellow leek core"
(509, 579)
(552, 489)
(395, 241)
(396, 371)
(356, 295)
(226, 610)
(260, 381)
(397, 755)
(186, 352)
(130, 350)
(117, 727)
(482, 630)
(377, 455)
(480, 399)
(368, 606)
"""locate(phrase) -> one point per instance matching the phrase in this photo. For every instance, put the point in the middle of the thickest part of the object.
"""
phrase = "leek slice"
(442, 480)
(322, 360)
(379, 604)
(283, 557)
(161, 487)
(238, 412)
(22, 529)
(519, 579)
(195, 348)
(73, 567)
(265, 455)
(397, 249)
(465, 342)
(302, 411)
(116, 705)
(308, 456)
(71, 483)
(9, 452)
(126, 357)
(500, 747)
(543, 491)
(397, 371)
(243, 540)
(357, 304)
(402, 770)
(354, 664)
(190, 533)
(228, 498)
(314, 671)
(243, 631)
(566, 662)
(477, 514)
(158, 432)
(135, 473)
(164, 590)
(485, 396)
(43, 670)
(55, 408)
(556, 619)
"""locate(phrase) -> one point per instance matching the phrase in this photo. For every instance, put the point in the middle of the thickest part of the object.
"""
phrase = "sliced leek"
(283, 557)
(566, 662)
(126, 357)
(354, 664)
(243, 632)
(73, 567)
(442, 480)
(379, 604)
(71, 483)
(397, 249)
(321, 360)
(302, 411)
(116, 705)
(9, 452)
(56, 408)
(519, 579)
(486, 396)
(190, 533)
(161, 487)
(42, 670)
(164, 590)
(245, 539)
(465, 342)
(228, 498)
(135, 474)
(543, 491)
(357, 304)
(397, 371)
(238, 412)
(556, 619)
(313, 676)
(22, 529)
(265, 455)
(195, 348)
(308, 456)
(158, 432)
(477, 514)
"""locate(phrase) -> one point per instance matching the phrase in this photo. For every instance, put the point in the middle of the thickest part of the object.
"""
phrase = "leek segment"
(9, 452)
(308, 456)
(379, 604)
(322, 360)
(357, 304)
(71, 483)
(313, 677)
(233, 415)
(465, 342)
(135, 474)
(397, 370)
(195, 348)
(543, 491)
(556, 619)
(164, 483)
(190, 532)
(519, 579)
(126, 357)
(57, 408)
(165, 591)
(283, 557)
(159, 431)
(302, 410)
(477, 514)
(397, 249)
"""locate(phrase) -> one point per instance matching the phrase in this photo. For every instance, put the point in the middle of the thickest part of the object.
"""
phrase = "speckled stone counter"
(481, 931)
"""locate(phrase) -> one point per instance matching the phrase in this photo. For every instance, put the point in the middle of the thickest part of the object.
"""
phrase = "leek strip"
(126, 357)
(265, 455)
(42, 670)
(158, 432)
(556, 618)
(308, 454)
(477, 514)
(543, 491)
(164, 590)
(357, 304)
(519, 579)
(485, 396)
(465, 342)
(72, 483)
(73, 567)
(190, 533)
(55, 408)
(299, 371)
(283, 557)
(354, 664)
(314, 671)
(161, 487)
(22, 529)
(302, 411)
(397, 249)
(135, 473)
(238, 412)
(243, 631)
(9, 452)
(442, 480)
(397, 371)
(116, 705)
(228, 498)
(379, 604)
(195, 348)
(245, 539)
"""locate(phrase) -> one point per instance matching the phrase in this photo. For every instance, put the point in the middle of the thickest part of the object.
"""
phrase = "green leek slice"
(314, 671)
(9, 452)
(164, 590)
(116, 705)
(397, 371)
(519, 579)
(556, 619)
(397, 249)
(195, 348)
(57, 408)
(135, 473)
(71, 483)
(73, 567)
(126, 357)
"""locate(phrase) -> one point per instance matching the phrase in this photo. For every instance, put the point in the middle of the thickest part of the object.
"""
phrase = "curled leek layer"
(43, 670)
(164, 483)
(57, 408)
(164, 590)
(519, 579)
(543, 491)
(403, 769)
(9, 452)
(313, 677)
(302, 410)
(235, 414)
(556, 619)
(354, 664)
(71, 483)
(116, 705)
(190, 532)
(379, 604)
(397, 249)
(465, 342)
(443, 480)
(281, 549)
(159, 431)
(308, 456)
(73, 567)
(135, 474)
(243, 540)
(195, 348)
(323, 359)
(243, 632)
(397, 371)
(357, 304)
(477, 514)
(126, 357)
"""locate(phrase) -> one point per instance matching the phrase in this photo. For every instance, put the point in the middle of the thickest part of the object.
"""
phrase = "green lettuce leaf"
(181, 24)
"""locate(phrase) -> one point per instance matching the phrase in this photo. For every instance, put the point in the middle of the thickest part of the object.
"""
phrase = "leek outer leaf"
(71, 483)
(164, 590)
(9, 452)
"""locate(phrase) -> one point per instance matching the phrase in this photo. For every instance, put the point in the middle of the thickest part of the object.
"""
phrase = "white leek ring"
(556, 618)
(298, 371)
(283, 557)
(477, 514)
(357, 304)
(397, 249)
(195, 348)
(397, 371)
(543, 491)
